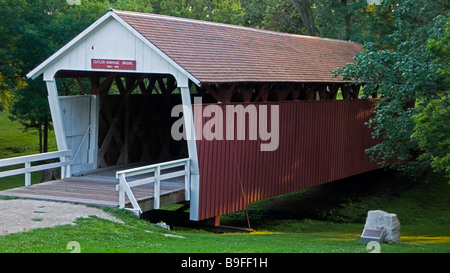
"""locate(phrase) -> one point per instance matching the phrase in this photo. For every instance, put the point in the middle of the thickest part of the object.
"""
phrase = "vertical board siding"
(319, 142)
(75, 113)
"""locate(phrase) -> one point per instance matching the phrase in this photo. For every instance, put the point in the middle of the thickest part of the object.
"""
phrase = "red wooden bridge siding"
(320, 141)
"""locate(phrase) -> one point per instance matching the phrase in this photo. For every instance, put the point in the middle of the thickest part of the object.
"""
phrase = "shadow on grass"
(343, 201)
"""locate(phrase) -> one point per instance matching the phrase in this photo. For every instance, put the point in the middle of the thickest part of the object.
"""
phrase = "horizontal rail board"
(34, 169)
(172, 175)
(141, 182)
(149, 180)
(33, 158)
(152, 168)
(64, 164)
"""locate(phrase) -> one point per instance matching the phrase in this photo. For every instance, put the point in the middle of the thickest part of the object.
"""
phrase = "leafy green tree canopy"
(432, 128)
(405, 76)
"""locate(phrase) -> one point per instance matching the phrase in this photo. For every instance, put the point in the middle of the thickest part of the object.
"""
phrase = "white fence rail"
(64, 164)
(124, 186)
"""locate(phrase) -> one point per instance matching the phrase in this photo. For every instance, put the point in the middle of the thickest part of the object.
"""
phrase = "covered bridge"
(134, 68)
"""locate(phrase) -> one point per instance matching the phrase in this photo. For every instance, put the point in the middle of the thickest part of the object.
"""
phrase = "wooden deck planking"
(96, 191)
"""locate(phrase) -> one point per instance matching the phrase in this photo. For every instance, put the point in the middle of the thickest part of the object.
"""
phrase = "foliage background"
(405, 59)
(406, 71)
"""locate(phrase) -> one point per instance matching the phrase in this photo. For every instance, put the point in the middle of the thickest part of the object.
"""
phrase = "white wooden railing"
(124, 186)
(27, 160)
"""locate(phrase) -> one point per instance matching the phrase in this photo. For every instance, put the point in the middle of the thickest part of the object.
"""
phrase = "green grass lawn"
(15, 141)
(423, 210)
(325, 219)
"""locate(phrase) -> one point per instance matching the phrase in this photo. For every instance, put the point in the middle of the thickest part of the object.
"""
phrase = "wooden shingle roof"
(221, 53)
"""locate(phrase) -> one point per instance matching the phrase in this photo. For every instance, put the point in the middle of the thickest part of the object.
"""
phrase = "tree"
(10, 80)
(229, 11)
(277, 15)
(23, 45)
(432, 124)
(305, 11)
(223, 11)
(31, 31)
(405, 78)
(341, 19)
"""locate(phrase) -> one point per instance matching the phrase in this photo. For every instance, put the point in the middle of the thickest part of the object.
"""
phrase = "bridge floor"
(98, 188)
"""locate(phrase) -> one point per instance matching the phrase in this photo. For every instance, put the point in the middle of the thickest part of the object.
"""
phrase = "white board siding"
(76, 120)
(112, 41)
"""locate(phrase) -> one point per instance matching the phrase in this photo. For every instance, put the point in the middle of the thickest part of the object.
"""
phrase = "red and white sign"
(113, 64)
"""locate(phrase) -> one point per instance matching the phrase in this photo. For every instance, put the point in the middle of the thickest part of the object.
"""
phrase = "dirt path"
(19, 215)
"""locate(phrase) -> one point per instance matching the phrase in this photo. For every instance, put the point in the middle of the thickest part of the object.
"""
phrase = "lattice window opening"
(273, 92)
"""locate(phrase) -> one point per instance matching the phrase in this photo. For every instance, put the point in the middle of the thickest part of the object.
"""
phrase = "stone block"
(381, 220)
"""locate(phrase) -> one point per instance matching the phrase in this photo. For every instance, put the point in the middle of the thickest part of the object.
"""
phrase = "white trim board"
(110, 37)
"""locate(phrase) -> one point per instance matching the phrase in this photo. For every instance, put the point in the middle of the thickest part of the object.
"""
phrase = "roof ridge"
(174, 18)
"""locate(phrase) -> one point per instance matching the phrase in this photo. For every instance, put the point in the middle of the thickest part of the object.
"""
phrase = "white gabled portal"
(110, 38)
(108, 46)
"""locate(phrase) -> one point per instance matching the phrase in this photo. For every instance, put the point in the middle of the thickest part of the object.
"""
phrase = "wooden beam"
(162, 86)
(163, 115)
(281, 91)
(355, 91)
(80, 84)
(150, 87)
(131, 84)
(199, 89)
(310, 92)
(246, 92)
(322, 90)
(263, 91)
(97, 88)
(334, 88)
(144, 145)
(112, 130)
(120, 85)
(345, 92)
(226, 91)
(212, 90)
(124, 158)
(295, 91)
(95, 82)
(171, 84)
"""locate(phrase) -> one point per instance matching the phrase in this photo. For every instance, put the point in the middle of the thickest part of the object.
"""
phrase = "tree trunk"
(40, 138)
(46, 126)
(348, 29)
(47, 175)
(306, 15)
